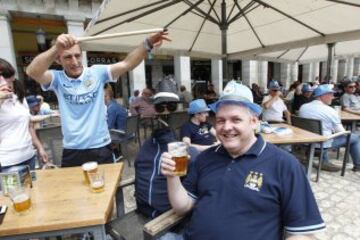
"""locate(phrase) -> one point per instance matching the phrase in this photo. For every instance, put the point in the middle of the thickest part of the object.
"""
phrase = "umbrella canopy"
(232, 27)
(313, 53)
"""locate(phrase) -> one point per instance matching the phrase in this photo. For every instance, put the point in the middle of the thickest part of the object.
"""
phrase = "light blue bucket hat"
(237, 93)
(322, 90)
(198, 106)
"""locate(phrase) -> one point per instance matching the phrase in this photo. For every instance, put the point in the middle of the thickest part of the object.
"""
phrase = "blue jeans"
(354, 148)
(30, 162)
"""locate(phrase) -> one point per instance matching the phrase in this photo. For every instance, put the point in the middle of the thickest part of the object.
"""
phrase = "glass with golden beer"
(89, 167)
(179, 153)
(97, 181)
(20, 196)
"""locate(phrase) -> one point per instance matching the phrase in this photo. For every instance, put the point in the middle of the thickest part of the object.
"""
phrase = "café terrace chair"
(135, 226)
(315, 126)
(51, 137)
(177, 119)
(122, 138)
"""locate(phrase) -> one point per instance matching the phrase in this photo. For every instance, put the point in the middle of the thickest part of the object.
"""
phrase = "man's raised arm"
(38, 68)
(138, 54)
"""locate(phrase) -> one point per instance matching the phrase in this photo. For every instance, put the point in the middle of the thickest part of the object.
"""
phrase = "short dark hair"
(182, 88)
(6, 68)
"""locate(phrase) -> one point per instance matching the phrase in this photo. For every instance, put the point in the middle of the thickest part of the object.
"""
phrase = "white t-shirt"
(15, 139)
(275, 111)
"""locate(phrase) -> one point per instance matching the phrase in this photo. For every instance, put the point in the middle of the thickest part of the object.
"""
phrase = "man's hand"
(167, 165)
(65, 41)
(5, 93)
(43, 155)
(157, 39)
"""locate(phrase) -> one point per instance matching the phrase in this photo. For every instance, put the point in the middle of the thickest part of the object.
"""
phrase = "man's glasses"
(170, 106)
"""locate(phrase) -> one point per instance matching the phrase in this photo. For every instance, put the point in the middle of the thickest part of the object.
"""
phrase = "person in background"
(80, 93)
(134, 97)
(116, 114)
(35, 106)
(143, 105)
(302, 98)
(349, 101)
(197, 132)
(17, 133)
(245, 187)
(292, 89)
(44, 106)
(210, 95)
(357, 91)
(150, 185)
(185, 96)
(257, 94)
(274, 106)
(331, 123)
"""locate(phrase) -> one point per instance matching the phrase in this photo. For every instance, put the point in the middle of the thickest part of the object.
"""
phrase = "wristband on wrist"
(148, 46)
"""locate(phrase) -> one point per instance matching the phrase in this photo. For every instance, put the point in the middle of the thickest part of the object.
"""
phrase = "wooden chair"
(315, 126)
(51, 137)
(122, 138)
(134, 225)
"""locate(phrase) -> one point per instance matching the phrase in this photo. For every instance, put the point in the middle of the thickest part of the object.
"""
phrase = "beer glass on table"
(97, 181)
(179, 153)
(20, 196)
(89, 167)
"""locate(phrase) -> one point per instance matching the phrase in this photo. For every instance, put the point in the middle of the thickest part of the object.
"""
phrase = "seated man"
(349, 101)
(197, 132)
(245, 187)
(39, 115)
(274, 106)
(331, 123)
(150, 185)
(302, 98)
(116, 114)
(143, 105)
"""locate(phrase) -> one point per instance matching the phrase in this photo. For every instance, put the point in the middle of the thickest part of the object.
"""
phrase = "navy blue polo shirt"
(198, 134)
(255, 196)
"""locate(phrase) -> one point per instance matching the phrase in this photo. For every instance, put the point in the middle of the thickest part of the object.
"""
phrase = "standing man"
(185, 96)
(331, 123)
(245, 187)
(80, 92)
(274, 106)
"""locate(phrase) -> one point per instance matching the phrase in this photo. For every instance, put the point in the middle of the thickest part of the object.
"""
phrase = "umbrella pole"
(224, 27)
(330, 62)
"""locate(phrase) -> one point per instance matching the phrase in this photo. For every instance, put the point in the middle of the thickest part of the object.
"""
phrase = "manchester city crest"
(88, 83)
(254, 181)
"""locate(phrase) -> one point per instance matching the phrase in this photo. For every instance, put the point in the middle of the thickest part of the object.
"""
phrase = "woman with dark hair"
(17, 133)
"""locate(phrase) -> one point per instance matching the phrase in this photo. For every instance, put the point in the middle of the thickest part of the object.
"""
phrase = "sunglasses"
(170, 106)
(6, 74)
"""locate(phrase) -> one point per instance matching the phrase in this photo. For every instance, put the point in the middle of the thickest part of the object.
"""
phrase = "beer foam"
(21, 198)
(89, 166)
(97, 184)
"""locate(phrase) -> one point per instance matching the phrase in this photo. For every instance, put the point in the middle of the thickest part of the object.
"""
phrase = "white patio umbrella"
(227, 28)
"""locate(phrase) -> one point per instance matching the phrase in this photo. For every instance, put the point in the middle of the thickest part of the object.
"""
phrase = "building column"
(137, 78)
(76, 28)
(323, 70)
(341, 69)
(350, 67)
(285, 75)
(315, 71)
(334, 70)
(294, 71)
(217, 75)
(307, 72)
(249, 72)
(357, 66)
(7, 50)
(263, 74)
(182, 69)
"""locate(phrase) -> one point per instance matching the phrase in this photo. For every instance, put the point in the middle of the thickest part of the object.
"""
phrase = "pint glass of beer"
(97, 181)
(179, 153)
(89, 167)
(20, 196)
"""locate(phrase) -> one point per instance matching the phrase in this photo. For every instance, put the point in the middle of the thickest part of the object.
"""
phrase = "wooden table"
(350, 117)
(63, 204)
(298, 136)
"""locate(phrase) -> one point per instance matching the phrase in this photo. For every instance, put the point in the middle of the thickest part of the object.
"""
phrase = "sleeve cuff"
(305, 229)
